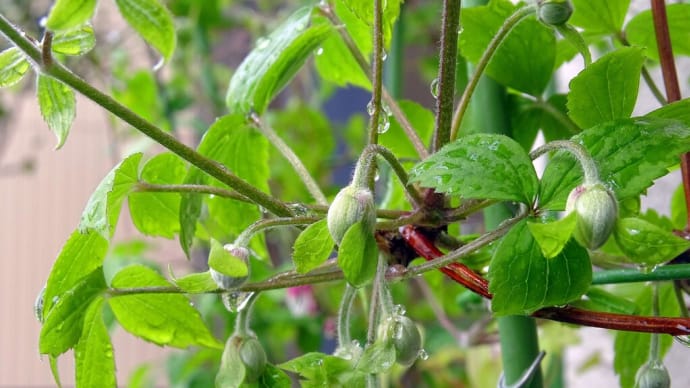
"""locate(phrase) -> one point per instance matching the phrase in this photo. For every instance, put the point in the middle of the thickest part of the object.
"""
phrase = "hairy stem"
(293, 159)
(446, 72)
(374, 107)
(507, 26)
(211, 167)
(263, 225)
(580, 153)
(343, 328)
(244, 316)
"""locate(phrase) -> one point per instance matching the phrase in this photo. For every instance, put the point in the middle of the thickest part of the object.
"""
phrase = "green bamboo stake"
(518, 334)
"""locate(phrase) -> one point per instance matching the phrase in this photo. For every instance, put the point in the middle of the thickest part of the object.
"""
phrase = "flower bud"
(253, 357)
(229, 282)
(351, 205)
(241, 353)
(405, 336)
(653, 374)
(597, 211)
(554, 12)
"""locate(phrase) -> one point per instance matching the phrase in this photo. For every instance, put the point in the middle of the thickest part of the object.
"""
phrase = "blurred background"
(43, 191)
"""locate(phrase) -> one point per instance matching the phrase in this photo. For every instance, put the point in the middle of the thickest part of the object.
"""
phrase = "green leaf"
(552, 237)
(526, 57)
(13, 66)
(152, 21)
(522, 280)
(678, 110)
(599, 17)
(527, 117)
(320, 369)
(358, 255)
(95, 363)
(378, 357)
(233, 143)
(364, 11)
(631, 350)
(75, 42)
(190, 210)
(58, 106)
(274, 377)
(607, 89)
(224, 262)
(312, 247)
(480, 166)
(196, 283)
(157, 214)
(81, 255)
(679, 210)
(335, 63)
(640, 30)
(63, 324)
(630, 154)
(274, 61)
(647, 244)
(67, 14)
(103, 209)
(164, 319)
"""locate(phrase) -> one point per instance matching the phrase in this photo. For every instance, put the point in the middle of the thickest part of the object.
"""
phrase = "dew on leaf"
(319, 51)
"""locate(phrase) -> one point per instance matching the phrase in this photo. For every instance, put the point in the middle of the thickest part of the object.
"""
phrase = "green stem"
(343, 328)
(145, 187)
(293, 159)
(465, 250)
(374, 107)
(654, 345)
(385, 298)
(393, 67)
(446, 72)
(507, 26)
(365, 166)
(580, 153)
(211, 167)
(575, 38)
(244, 316)
(399, 115)
(666, 272)
(652, 86)
(678, 291)
(263, 225)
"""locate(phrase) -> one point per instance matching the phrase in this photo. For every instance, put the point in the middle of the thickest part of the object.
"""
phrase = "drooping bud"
(405, 336)
(653, 374)
(554, 12)
(233, 261)
(243, 361)
(351, 205)
(597, 211)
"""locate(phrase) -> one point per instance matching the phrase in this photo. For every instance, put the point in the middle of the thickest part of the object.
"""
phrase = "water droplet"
(158, 65)
(211, 196)
(386, 364)
(683, 340)
(384, 55)
(434, 87)
(423, 355)
(235, 301)
(299, 209)
(370, 108)
(377, 177)
(108, 354)
(38, 305)
(399, 309)
(262, 43)
(384, 124)
(397, 330)
(42, 21)
(319, 51)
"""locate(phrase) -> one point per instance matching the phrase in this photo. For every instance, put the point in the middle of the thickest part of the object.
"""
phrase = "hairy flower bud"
(351, 205)
(253, 357)
(242, 353)
(229, 282)
(597, 211)
(554, 12)
(653, 374)
(405, 336)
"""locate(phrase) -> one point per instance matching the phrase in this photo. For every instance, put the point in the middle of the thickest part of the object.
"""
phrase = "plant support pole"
(518, 334)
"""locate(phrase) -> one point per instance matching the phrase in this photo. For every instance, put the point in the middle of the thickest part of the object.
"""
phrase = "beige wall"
(39, 210)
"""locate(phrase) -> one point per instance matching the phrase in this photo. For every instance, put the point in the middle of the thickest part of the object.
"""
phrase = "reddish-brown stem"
(474, 282)
(668, 70)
